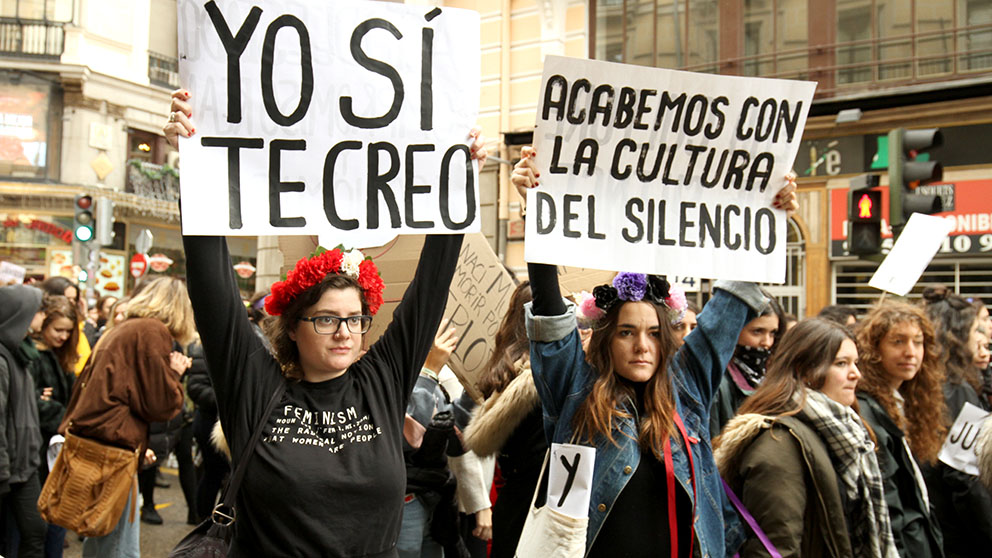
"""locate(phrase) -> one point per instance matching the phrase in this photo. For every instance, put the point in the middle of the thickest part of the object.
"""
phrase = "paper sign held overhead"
(662, 171)
(314, 116)
(911, 253)
(11, 273)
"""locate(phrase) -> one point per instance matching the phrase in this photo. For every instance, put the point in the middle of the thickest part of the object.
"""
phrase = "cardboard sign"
(662, 171)
(477, 298)
(570, 479)
(314, 116)
(960, 450)
(11, 273)
(574, 280)
(911, 254)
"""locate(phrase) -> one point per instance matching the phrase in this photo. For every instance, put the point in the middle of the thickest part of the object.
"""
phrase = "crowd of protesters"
(728, 429)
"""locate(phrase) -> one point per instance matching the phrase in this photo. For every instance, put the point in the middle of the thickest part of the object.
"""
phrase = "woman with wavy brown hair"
(901, 399)
(962, 504)
(508, 424)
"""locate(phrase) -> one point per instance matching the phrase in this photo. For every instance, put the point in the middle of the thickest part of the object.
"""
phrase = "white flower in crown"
(350, 263)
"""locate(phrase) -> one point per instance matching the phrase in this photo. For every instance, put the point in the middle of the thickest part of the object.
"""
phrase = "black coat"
(914, 526)
(47, 372)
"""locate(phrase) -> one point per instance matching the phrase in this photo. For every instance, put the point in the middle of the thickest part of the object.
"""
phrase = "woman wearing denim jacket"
(639, 399)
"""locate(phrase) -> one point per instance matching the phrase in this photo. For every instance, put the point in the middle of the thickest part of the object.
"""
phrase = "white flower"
(351, 261)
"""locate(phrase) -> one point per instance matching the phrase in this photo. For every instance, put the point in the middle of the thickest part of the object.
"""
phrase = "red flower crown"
(311, 271)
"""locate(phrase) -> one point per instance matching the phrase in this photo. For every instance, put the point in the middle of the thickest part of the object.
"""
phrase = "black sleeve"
(242, 371)
(403, 348)
(5, 448)
(544, 288)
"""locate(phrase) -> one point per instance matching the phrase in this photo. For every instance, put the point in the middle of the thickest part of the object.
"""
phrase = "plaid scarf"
(853, 455)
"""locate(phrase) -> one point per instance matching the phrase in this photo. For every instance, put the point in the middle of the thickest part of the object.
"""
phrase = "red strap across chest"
(673, 522)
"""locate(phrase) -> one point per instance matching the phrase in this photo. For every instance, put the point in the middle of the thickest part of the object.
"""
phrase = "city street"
(156, 540)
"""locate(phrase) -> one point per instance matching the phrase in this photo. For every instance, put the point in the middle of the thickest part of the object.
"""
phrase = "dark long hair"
(800, 361)
(510, 344)
(604, 405)
(286, 351)
(55, 307)
(921, 416)
(953, 317)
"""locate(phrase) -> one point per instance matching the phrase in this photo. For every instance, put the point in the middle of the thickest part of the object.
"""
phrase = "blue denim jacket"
(564, 379)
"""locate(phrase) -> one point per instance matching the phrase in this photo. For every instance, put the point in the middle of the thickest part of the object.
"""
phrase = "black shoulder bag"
(212, 537)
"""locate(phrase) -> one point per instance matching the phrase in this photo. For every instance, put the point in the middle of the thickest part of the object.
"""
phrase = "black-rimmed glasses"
(329, 325)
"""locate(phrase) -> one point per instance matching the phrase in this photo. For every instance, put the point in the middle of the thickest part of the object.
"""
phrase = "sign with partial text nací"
(313, 117)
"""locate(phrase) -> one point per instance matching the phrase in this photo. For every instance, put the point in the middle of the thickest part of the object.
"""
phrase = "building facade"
(878, 64)
(85, 90)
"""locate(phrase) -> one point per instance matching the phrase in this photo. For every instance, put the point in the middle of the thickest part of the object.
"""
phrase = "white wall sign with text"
(313, 117)
(663, 171)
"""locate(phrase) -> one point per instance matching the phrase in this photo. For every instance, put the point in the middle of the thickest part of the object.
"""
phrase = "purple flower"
(630, 286)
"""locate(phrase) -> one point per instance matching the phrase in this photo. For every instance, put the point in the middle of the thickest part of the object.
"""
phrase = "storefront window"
(25, 126)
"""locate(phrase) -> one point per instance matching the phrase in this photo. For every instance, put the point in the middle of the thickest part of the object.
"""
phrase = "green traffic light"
(84, 234)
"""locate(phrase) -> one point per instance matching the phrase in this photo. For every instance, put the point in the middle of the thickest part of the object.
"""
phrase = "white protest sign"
(315, 116)
(662, 171)
(911, 253)
(570, 479)
(959, 449)
(11, 273)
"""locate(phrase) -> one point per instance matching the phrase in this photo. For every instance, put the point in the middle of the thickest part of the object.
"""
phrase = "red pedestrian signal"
(865, 207)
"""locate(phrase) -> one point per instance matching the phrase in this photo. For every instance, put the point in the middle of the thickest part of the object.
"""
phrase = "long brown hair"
(56, 307)
(510, 344)
(799, 362)
(605, 402)
(922, 414)
(953, 317)
(285, 349)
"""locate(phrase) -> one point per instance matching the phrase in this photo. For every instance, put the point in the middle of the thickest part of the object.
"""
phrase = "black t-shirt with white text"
(328, 477)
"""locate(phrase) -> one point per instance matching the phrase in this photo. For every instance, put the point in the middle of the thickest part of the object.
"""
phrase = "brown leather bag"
(87, 490)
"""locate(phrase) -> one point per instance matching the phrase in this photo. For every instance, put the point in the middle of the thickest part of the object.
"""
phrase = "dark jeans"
(27, 530)
(215, 465)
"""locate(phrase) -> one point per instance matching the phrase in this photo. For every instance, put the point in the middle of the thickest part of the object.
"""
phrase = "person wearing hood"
(20, 432)
(747, 367)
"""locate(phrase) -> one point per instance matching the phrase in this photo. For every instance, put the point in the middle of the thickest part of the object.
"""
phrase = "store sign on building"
(830, 156)
(970, 210)
(39, 225)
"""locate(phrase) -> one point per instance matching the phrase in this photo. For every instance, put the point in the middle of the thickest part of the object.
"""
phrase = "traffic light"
(864, 216)
(906, 173)
(82, 220)
(104, 221)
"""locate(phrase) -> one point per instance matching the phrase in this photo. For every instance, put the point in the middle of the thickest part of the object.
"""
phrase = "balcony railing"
(148, 180)
(31, 38)
(163, 70)
(845, 67)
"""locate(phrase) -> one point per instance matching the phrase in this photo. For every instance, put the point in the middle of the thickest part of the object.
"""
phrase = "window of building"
(976, 44)
(792, 294)
(659, 33)
(29, 127)
(47, 10)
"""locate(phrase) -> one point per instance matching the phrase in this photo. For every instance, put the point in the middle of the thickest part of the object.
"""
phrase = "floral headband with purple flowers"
(631, 287)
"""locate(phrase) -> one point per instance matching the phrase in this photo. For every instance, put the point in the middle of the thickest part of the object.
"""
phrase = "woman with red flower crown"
(328, 477)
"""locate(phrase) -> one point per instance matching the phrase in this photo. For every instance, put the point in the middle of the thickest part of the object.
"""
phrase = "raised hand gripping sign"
(959, 449)
(570, 479)
(663, 171)
(318, 116)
